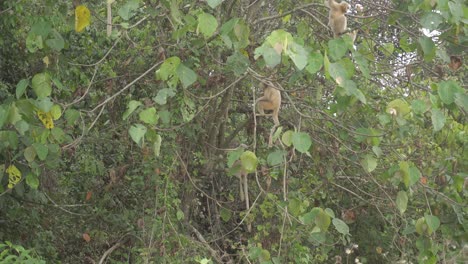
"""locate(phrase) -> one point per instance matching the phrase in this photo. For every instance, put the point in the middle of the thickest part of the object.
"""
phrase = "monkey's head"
(344, 7)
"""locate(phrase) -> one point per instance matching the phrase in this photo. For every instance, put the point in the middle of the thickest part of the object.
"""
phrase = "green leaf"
(186, 75)
(233, 156)
(309, 218)
(42, 85)
(228, 27)
(32, 180)
(8, 139)
(295, 206)
(369, 163)
(165, 116)
(163, 95)
(352, 90)
(238, 63)
(71, 115)
(431, 20)
(149, 116)
(287, 138)
(41, 28)
(341, 226)
(398, 107)
(330, 212)
(128, 10)
(214, 3)
(301, 141)
(323, 220)
(276, 157)
(402, 201)
(315, 62)
(58, 134)
(188, 109)
(57, 43)
(175, 12)
(255, 252)
(242, 35)
(225, 214)
(180, 215)
(271, 57)
(34, 42)
(428, 48)
(207, 24)
(447, 91)
(387, 49)
(438, 119)
(22, 127)
(29, 154)
(13, 115)
(21, 87)
(338, 72)
(363, 64)
(337, 48)
(418, 106)
(404, 173)
(458, 11)
(279, 38)
(4, 110)
(421, 226)
(44, 104)
(433, 223)
(56, 112)
(462, 101)
(137, 133)
(414, 175)
(249, 161)
(131, 107)
(157, 146)
(297, 54)
(168, 68)
(41, 150)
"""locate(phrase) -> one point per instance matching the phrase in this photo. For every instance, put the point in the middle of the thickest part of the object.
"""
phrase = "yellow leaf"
(46, 119)
(14, 176)
(82, 18)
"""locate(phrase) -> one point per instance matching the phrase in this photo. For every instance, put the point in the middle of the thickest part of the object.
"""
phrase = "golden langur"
(243, 186)
(271, 100)
(336, 17)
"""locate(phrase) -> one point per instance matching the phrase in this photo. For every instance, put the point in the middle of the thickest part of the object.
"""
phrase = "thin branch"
(286, 13)
(61, 208)
(200, 237)
(127, 86)
(314, 17)
(109, 251)
(87, 89)
(102, 59)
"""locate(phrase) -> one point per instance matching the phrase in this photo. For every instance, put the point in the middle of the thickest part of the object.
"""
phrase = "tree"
(124, 124)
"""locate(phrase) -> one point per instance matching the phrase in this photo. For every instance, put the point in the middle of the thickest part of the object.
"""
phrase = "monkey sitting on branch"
(336, 17)
(271, 100)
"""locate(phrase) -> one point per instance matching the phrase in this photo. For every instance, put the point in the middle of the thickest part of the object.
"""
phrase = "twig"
(314, 17)
(97, 117)
(200, 237)
(109, 251)
(286, 13)
(87, 89)
(101, 60)
(127, 86)
(60, 207)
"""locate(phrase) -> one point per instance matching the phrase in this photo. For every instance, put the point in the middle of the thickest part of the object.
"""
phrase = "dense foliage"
(122, 142)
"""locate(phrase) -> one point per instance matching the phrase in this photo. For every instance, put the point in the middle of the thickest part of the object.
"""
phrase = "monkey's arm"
(332, 4)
